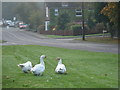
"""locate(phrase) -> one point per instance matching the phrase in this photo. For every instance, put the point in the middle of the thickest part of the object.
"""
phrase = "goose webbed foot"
(38, 74)
(25, 72)
(61, 73)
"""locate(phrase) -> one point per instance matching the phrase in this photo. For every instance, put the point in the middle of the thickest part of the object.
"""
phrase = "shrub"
(75, 27)
(41, 27)
(63, 19)
(99, 27)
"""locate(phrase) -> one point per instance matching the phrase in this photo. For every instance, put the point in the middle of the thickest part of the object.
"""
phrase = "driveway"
(15, 36)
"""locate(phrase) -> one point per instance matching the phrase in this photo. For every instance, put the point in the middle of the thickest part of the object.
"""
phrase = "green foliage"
(63, 19)
(8, 9)
(35, 18)
(98, 16)
(54, 19)
(75, 27)
(90, 19)
(111, 11)
(41, 27)
(99, 27)
(52, 25)
(85, 69)
(22, 10)
(90, 12)
(90, 23)
(30, 13)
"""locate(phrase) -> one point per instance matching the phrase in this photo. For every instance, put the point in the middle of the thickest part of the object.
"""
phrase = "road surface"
(15, 36)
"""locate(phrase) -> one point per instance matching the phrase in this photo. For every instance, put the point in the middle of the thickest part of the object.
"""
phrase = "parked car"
(8, 22)
(1, 23)
(12, 24)
(23, 26)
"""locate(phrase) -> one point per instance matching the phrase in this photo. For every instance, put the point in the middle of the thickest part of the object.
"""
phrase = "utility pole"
(83, 29)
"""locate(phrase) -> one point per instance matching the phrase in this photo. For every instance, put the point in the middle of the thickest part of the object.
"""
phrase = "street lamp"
(83, 30)
(80, 13)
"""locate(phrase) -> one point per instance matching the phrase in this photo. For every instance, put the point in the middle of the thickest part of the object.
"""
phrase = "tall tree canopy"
(63, 19)
(31, 13)
(111, 11)
(8, 10)
(98, 16)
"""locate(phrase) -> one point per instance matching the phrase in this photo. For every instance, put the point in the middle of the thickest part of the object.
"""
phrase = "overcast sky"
(60, 0)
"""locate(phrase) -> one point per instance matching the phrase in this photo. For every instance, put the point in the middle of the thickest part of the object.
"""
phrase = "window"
(56, 12)
(78, 12)
(64, 4)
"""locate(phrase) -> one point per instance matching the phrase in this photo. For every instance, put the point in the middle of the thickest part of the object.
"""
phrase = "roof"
(63, 4)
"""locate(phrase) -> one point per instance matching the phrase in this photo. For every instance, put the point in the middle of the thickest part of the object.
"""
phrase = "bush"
(41, 27)
(99, 27)
(90, 23)
(75, 27)
(52, 25)
(63, 20)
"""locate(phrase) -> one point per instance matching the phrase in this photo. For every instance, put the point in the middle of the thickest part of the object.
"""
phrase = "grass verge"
(2, 41)
(106, 40)
(85, 69)
(58, 36)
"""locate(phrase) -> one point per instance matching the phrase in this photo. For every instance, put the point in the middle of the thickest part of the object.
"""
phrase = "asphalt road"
(15, 36)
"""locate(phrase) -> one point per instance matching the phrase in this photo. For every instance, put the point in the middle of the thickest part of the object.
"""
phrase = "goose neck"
(41, 61)
(60, 61)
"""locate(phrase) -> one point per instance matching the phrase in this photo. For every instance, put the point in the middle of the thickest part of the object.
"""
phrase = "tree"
(30, 13)
(89, 14)
(22, 11)
(90, 20)
(8, 10)
(111, 11)
(63, 19)
(35, 19)
(98, 16)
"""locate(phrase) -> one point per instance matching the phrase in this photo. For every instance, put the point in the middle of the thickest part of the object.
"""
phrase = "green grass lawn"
(59, 36)
(85, 69)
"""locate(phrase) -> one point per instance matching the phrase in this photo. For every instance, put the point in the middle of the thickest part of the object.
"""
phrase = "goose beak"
(58, 58)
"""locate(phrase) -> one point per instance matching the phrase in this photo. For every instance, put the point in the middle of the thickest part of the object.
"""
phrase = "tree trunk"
(111, 29)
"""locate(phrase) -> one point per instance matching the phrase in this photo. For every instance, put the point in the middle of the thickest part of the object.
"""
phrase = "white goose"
(60, 67)
(38, 69)
(25, 66)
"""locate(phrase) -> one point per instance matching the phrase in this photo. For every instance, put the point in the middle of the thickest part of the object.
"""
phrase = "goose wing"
(60, 68)
(38, 68)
